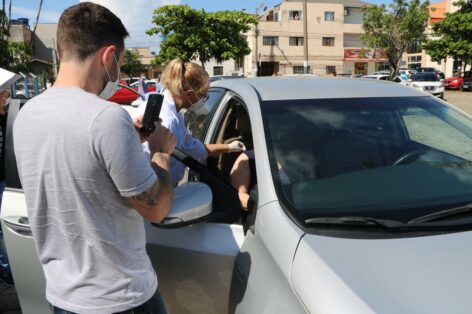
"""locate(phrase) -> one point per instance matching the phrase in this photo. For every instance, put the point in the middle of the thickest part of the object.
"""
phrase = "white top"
(174, 121)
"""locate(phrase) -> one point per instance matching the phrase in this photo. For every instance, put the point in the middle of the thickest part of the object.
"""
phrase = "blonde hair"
(179, 76)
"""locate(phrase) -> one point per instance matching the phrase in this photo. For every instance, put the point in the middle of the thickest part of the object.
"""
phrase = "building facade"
(334, 44)
(415, 57)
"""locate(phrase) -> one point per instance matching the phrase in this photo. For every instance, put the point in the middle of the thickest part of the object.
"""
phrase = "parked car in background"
(151, 85)
(467, 85)
(382, 77)
(224, 77)
(125, 96)
(402, 80)
(381, 73)
(370, 213)
(409, 72)
(455, 82)
(405, 74)
(438, 73)
(429, 83)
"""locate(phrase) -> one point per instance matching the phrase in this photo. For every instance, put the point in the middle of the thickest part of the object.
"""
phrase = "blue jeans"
(155, 305)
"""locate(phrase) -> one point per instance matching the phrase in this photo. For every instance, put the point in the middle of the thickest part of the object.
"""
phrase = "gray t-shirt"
(78, 158)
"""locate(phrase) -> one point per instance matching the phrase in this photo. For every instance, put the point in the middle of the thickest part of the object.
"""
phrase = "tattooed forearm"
(154, 204)
(150, 197)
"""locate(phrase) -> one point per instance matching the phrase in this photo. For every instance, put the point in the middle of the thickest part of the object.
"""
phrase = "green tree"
(392, 28)
(195, 34)
(452, 37)
(132, 63)
(21, 57)
(5, 58)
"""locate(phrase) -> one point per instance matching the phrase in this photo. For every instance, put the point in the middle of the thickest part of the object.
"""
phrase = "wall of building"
(45, 41)
(20, 33)
(279, 22)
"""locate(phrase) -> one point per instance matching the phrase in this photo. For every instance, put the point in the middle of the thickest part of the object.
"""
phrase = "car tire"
(441, 96)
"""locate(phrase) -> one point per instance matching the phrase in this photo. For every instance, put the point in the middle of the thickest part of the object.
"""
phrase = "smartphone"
(151, 114)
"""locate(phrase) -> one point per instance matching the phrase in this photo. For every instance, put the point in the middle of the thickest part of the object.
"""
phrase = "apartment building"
(415, 57)
(334, 44)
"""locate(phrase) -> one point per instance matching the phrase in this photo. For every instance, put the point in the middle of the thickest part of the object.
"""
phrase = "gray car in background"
(362, 205)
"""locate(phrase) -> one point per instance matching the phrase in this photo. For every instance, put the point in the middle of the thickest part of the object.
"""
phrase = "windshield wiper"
(355, 221)
(448, 213)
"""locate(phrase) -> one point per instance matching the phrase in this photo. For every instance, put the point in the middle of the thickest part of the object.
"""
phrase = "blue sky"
(135, 14)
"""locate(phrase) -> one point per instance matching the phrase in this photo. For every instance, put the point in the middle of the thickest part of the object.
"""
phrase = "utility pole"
(256, 53)
(305, 37)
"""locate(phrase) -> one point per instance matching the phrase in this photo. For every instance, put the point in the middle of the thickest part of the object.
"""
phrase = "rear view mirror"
(191, 202)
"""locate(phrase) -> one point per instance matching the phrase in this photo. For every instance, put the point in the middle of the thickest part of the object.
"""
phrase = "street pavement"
(461, 100)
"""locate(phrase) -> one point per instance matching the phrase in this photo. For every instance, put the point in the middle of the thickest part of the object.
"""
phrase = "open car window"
(198, 123)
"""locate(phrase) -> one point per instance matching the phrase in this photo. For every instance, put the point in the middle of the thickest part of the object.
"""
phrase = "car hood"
(411, 275)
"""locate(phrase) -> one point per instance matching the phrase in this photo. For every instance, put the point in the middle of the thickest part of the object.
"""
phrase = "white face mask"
(198, 107)
(111, 87)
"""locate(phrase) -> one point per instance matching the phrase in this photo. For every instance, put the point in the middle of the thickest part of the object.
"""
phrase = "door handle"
(19, 225)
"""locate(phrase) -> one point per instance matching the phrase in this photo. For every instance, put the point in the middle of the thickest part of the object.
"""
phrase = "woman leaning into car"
(185, 86)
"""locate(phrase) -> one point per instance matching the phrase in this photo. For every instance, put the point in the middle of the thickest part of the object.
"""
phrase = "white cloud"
(46, 16)
(136, 15)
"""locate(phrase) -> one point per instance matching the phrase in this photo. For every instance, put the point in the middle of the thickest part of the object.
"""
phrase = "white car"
(429, 83)
(402, 81)
(381, 73)
(363, 205)
(382, 77)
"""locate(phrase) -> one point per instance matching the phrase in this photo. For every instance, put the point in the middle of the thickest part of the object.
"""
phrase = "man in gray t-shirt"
(87, 182)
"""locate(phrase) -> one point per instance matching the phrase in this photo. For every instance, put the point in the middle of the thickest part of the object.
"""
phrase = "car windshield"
(425, 77)
(388, 158)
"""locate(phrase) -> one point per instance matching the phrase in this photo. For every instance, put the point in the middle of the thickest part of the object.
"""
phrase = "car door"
(194, 264)
(24, 262)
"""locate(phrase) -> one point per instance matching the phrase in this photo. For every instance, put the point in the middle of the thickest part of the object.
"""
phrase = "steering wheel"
(416, 152)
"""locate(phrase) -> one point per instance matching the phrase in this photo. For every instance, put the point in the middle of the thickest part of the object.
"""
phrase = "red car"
(453, 82)
(125, 96)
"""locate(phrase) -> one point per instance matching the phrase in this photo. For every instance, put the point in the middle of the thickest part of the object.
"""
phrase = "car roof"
(280, 88)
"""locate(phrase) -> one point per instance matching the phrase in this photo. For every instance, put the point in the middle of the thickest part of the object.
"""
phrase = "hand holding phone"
(151, 114)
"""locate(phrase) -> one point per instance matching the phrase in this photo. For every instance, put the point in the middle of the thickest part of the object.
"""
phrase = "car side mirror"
(191, 202)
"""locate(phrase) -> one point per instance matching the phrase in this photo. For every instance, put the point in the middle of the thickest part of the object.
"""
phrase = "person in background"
(142, 85)
(87, 183)
(186, 87)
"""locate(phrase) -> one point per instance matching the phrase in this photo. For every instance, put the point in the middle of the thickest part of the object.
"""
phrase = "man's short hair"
(86, 27)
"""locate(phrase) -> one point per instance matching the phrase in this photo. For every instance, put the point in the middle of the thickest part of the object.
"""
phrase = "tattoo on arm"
(164, 184)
